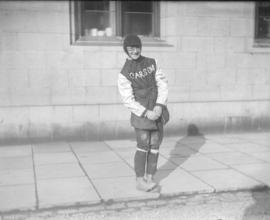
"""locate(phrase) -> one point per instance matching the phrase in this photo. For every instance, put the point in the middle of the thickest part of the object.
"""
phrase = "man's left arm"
(162, 86)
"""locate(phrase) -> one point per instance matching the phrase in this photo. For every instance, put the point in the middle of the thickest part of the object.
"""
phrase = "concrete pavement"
(60, 174)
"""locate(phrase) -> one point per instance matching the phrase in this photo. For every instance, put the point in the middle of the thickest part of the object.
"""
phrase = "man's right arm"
(126, 92)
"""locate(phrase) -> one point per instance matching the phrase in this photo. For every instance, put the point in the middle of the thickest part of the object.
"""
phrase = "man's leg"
(143, 140)
(152, 157)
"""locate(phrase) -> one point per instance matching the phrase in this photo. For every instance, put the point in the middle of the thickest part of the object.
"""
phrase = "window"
(109, 20)
(262, 23)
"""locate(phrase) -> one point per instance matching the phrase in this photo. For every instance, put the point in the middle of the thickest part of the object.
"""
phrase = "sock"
(152, 160)
(139, 163)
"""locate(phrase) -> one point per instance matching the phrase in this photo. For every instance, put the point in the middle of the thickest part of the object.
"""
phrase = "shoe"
(142, 185)
(149, 180)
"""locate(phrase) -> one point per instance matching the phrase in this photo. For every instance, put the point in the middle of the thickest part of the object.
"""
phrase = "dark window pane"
(99, 20)
(263, 28)
(137, 6)
(96, 5)
(140, 24)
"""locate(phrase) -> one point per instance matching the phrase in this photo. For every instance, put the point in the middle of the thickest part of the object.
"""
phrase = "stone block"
(61, 96)
(218, 27)
(85, 113)
(179, 60)
(11, 59)
(235, 92)
(190, 26)
(41, 41)
(100, 59)
(205, 93)
(223, 180)
(56, 59)
(92, 60)
(172, 9)
(258, 61)
(5, 97)
(251, 76)
(30, 96)
(18, 21)
(108, 170)
(30, 41)
(92, 77)
(183, 77)
(171, 75)
(239, 27)
(38, 78)
(221, 76)
(211, 60)
(108, 59)
(16, 177)
(16, 163)
(260, 91)
(53, 171)
(121, 189)
(8, 41)
(28, 59)
(59, 22)
(237, 44)
(59, 78)
(62, 115)
(63, 192)
(79, 95)
(109, 77)
(4, 78)
(121, 58)
(204, 28)
(216, 9)
(171, 26)
(15, 120)
(40, 115)
(179, 93)
(203, 44)
(18, 78)
(114, 112)
(40, 131)
(54, 158)
(17, 197)
(221, 44)
(238, 60)
(104, 94)
(70, 58)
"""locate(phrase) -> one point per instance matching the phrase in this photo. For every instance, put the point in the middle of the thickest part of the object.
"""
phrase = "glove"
(158, 110)
(151, 115)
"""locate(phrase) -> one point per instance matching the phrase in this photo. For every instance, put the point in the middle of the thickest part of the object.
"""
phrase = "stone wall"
(50, 89)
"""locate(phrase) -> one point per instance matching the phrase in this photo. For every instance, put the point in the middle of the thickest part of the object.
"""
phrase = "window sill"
(260, 46)
(117, 41)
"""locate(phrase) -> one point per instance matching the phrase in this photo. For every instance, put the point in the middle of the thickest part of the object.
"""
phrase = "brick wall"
(50, 89)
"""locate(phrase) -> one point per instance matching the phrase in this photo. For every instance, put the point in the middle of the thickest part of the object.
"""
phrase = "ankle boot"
(149, 178)
(142, 185)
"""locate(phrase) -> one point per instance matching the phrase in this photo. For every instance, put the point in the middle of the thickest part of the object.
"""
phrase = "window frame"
(259, 42)
(76, 28)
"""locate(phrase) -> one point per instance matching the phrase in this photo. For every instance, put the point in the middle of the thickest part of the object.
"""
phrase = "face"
(134, 52)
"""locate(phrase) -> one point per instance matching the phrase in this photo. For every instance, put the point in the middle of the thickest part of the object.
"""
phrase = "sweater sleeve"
(126, 93)
(162, 85)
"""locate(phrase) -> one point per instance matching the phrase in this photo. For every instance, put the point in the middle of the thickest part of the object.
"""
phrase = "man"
(144, 91)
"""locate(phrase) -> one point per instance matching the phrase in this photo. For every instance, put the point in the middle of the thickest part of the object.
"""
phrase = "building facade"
(57, 83)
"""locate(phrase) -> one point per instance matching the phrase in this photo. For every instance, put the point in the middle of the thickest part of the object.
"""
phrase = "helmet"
(131, 41)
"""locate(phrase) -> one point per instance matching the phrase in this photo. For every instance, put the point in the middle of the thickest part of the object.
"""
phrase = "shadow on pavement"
(261, 207)
(183, 149)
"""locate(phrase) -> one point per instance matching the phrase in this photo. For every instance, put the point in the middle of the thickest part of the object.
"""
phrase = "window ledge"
(117, 41)
(260, 46)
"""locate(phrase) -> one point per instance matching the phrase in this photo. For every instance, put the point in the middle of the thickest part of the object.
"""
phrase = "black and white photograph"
(134, 110)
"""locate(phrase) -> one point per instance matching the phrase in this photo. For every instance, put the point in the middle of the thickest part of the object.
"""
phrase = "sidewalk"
(48, 175)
